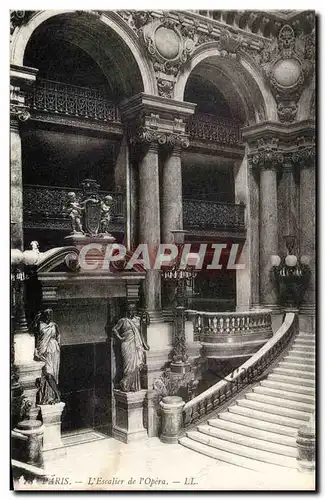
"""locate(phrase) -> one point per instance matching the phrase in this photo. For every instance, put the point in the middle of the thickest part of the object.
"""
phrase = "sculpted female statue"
(48, 350)
(133, 345)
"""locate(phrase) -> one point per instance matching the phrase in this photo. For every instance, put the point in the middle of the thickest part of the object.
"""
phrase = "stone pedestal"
(306, 447)
(29, 450)
(172, 419)
(51, 416)
(129, 408)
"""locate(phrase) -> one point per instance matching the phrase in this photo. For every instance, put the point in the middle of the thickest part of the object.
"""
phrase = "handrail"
(227, 313)
(245, 374)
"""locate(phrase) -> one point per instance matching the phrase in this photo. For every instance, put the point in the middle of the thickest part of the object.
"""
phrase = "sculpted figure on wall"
(128, 331)
(105, 219)
(48, 350)
(75, 213)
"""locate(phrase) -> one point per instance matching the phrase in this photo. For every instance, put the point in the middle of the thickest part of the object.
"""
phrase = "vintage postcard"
(162, 168)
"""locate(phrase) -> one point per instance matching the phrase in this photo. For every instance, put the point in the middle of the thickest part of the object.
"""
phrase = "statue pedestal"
(180, 368)
(51, 416)
(94, 258)
(128, 425)
(28, 370)
(172, 418)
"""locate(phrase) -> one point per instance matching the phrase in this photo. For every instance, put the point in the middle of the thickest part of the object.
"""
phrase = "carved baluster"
(221, 325)
(233, 330)
(227, 325)
(215, 325)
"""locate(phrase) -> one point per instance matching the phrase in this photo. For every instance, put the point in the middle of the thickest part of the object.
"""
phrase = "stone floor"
(107, 464)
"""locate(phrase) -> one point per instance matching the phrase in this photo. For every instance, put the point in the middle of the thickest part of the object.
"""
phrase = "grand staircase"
(259, 430)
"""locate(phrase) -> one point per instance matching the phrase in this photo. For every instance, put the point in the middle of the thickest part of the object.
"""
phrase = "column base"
(30, 451)
(51, 415)
(156, 316)
(180, 368)
(129, 408)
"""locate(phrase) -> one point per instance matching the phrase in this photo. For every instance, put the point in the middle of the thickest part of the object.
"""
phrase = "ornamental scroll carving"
(18, 110)
(287, 64)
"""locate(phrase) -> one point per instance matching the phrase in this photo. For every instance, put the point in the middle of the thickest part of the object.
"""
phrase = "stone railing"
(213, 215)
(214, 327)
(45, 204)
(71, 100)
(222, 131)
(236, 381)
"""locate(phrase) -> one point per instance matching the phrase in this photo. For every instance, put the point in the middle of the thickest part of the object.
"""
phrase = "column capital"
(304, 155)
(266, 155)
(18, 109)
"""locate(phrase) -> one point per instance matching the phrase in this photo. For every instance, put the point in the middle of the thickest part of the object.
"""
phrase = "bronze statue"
(48, 350)
(105, 215)
(74, 210)
(128, 331)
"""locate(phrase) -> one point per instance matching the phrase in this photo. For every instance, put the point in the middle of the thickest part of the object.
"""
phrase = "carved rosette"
(18, 18)
(287, 64)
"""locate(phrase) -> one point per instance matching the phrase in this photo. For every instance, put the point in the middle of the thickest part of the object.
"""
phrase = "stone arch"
(95, 25)
(306, 104)
(257, 101)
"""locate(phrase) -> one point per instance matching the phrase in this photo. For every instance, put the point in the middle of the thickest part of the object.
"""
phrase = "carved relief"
(267, 154)
(18, 18)
(149, 130)
(287, 64)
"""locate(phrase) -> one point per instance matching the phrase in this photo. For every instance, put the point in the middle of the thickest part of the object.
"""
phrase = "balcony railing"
(201, 214)
(71, 100)
(216, 327)
(222, 131)
(44, 205)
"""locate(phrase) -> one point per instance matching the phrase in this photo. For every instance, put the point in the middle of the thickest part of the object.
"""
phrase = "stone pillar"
(172, 203)
(128, 425)
(149, 215)
(254, 224)
(306, 446)
(171, 420)
(51, 416)
(268, 233)
(307, 230)
(16, 185)
(287, 206)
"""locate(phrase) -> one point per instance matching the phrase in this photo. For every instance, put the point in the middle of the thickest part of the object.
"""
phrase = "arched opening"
(75, 131)
(209, 171)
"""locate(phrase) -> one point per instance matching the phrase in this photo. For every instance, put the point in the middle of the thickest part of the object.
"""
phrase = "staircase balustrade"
(225, 389)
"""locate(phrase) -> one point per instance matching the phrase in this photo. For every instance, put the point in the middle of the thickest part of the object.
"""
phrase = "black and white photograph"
(163, 257)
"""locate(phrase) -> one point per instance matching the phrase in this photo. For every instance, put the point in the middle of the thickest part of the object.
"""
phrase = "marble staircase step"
(272, 409)
(268, 417)
(284, 395)
(245, 440)
(252, 422)
(242, 450)
(287, 379)
(254, 432)
(287, 386)
(283, 403)
(292, 372)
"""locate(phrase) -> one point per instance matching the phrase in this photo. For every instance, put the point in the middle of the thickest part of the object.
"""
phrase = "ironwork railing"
(211, 214)
(48, 202)
(213, 326)
(65, 99)
(206, 127)
(246, 374)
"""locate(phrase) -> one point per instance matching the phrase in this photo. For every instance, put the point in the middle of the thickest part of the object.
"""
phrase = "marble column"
(172, 203)
(16, 182)
(307, 229)
(254, 216)
(288, 207)
(149, 216)
(268, 233)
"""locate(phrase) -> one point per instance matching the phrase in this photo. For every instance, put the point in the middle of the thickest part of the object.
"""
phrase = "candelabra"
(182, 276)
(291, 275)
